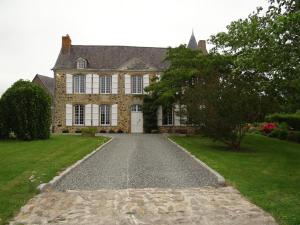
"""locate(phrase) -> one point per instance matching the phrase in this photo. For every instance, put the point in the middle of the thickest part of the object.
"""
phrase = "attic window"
(81, 63)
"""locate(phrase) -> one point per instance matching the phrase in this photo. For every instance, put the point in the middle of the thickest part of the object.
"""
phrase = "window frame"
(81, 63)
(107, 85)
(136, 108)
(80, 117)
(169, 117)
(107, 115)
(81, 84)
(137, 84)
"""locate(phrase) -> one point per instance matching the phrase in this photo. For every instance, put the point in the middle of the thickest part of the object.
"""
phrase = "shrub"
(120, 131)
(294, 136)
(149, 114)
(279, 133)
(268, 127)
(102, 131)
(65, 131)
(89, 131)
(78, 131)
(293, 120)
(25, 111)
(111, 131)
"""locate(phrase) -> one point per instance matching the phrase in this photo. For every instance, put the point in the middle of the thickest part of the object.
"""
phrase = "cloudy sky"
(31, 30)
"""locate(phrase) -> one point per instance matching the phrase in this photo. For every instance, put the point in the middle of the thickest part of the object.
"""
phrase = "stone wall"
(124, 101)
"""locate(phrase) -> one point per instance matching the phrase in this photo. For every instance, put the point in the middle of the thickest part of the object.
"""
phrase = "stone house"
(103, 86)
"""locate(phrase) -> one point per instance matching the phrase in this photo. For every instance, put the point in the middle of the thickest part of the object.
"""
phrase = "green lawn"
(267, 171)
(42, 160)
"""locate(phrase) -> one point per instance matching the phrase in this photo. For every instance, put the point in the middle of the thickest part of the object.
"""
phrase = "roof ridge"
(119, 46)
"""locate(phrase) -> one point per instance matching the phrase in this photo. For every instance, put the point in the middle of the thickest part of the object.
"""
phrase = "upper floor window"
(167, 115)
(78, 114)
(105, 115)
(79, 84)
(105, 84)
(136, 84)
(81, 63)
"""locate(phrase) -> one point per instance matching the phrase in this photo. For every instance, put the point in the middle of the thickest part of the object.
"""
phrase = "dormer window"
(81, 63)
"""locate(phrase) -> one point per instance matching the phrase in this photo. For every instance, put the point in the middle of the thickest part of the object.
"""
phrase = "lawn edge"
(44, 187)
(220, 178)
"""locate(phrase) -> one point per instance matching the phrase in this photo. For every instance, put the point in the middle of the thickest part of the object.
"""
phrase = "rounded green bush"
(25, 110)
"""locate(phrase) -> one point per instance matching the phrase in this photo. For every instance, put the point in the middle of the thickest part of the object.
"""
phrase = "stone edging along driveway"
(220, 178)
(48, 186)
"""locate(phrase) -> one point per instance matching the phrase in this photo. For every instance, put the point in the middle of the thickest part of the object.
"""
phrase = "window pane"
(79, 115)
(105, 114)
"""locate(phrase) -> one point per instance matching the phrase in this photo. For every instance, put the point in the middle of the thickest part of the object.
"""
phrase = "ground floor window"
(78, 114)
(105, 115)
(167, 116)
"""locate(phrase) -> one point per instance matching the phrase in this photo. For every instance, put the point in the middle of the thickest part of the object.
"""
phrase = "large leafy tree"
(25, 111)
(267, 43)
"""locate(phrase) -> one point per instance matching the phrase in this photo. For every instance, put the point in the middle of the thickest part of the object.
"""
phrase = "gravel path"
(138, 161)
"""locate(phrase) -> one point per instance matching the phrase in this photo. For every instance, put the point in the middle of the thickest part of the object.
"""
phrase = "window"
(105, 115)
(136, 84)
(79, 83)
(81, 63)
(136, 108)
(105, 84)
(78, 114)
(167, 116)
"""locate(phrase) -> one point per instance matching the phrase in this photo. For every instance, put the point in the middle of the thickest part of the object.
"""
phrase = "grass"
(24, 165)
(266, 171)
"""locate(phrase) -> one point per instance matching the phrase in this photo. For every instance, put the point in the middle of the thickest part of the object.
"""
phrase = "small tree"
(25, 111)
(149, 113)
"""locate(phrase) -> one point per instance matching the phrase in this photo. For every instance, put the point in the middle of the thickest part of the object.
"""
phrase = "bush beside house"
(25, 112)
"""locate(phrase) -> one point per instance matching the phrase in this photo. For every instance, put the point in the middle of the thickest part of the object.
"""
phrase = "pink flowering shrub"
(268, 127)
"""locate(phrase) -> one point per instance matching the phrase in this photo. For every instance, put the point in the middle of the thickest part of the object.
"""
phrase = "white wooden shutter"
(158, 77)
(159, 116)
(127, 84)
(88, 84)
(114, 115)
(95, 89)
(69, 83)
(69, 115)
(95, 115)
(176, 115)
(145, 81)
(88, 115)
(114, 84)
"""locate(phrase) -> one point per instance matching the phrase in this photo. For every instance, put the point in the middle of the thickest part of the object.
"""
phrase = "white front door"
(136, 119)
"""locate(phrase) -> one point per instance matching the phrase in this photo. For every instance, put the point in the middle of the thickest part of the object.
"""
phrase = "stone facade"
(124, 101)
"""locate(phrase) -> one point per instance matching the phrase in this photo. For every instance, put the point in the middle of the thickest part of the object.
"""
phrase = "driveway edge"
(48, 186)
(220, 178)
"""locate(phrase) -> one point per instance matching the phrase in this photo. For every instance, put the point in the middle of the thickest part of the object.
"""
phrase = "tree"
(267, 43)
(25, 111)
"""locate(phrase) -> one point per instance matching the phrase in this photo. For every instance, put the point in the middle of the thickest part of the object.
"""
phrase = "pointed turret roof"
(192, 43)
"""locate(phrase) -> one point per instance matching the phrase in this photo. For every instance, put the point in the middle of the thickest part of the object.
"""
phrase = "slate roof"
(113, 57)
(192, 43)
(48, 82)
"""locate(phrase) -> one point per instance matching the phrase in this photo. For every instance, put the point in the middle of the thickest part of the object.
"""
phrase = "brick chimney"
(202, 46)
(66, 44)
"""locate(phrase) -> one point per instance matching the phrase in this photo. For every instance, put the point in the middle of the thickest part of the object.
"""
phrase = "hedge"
(25, 111)
(293, 120)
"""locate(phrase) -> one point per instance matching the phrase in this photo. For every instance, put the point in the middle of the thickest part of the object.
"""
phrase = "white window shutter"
(158, 77)
(176, 115)
(114, 115)
(127, 84)
(88, 84)
(95, 89)
(95, 115)
(88, 115)
(159, 116)
(145, 81)
(114, 83)
(69, 115)
(69, 83)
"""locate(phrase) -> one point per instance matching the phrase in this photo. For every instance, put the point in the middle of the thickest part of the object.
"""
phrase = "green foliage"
(267, 44)
(293, 120)
(25, 111)
(149, 114)
(294, 136)
(279, 133)
(89, 131)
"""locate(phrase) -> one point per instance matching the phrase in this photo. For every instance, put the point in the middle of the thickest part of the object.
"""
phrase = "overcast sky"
(31, 30)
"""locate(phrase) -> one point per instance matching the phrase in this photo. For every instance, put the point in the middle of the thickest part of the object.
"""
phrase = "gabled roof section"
(48, 82)
(111, 57)
(192, 43)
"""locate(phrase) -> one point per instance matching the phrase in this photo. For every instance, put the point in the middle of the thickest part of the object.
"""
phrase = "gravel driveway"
(138, 161)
